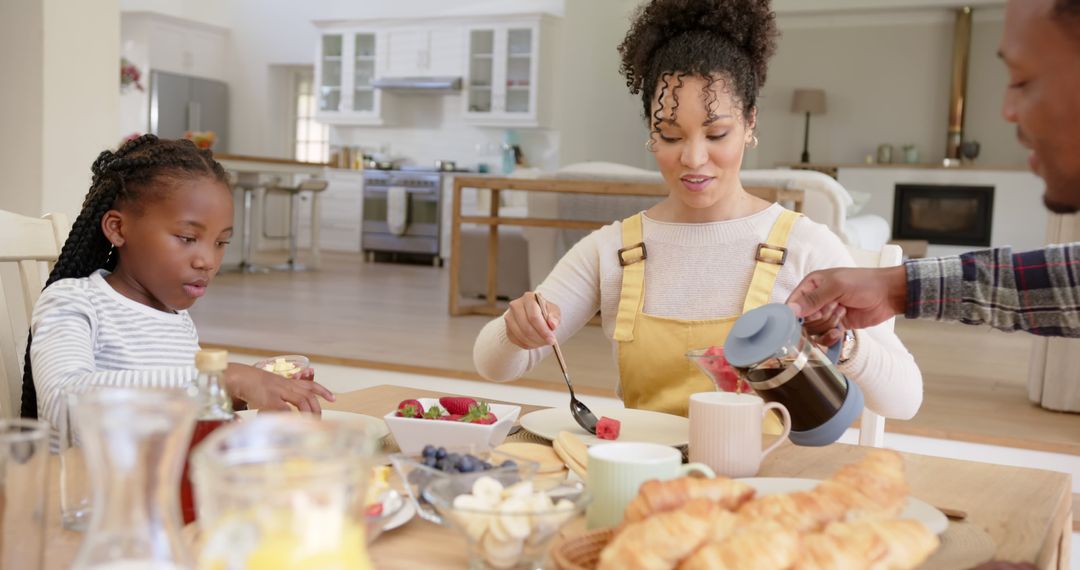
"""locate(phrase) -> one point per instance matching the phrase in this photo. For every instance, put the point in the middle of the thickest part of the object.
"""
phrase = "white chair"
(872, 425)
(27, 245)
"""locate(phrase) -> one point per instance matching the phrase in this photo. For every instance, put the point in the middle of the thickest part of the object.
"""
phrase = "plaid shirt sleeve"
(1034, 291)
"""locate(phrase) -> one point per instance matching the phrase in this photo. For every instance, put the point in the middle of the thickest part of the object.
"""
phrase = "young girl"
(677, 276)
(149, 239)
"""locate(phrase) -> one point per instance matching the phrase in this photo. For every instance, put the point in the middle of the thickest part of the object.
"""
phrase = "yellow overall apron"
(654, 373)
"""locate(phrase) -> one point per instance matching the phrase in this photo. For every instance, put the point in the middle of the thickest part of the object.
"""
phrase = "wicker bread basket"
(582, 551)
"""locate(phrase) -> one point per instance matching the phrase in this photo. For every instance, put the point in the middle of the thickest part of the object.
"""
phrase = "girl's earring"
(650, 145)
(753, 142)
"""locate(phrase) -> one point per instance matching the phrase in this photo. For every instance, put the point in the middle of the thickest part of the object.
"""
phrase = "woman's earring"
(753, 142)
(649, 145)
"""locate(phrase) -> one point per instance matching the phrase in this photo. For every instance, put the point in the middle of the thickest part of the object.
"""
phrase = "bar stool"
(313, 185)
(248, 183)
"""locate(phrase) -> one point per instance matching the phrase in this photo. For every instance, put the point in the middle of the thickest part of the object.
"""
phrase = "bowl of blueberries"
(418, 471)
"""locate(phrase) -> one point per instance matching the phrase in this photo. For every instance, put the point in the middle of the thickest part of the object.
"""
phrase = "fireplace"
(943, 214)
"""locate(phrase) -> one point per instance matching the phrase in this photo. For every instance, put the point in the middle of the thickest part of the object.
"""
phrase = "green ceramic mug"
(616, 470)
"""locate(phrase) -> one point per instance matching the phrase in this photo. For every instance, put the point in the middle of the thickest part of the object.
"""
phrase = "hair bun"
(749, 25)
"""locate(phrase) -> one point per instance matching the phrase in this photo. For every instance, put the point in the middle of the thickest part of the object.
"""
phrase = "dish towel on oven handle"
(397, 209)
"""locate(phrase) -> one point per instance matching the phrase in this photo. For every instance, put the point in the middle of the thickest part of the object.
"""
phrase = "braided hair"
(140, 170)
(723, 41)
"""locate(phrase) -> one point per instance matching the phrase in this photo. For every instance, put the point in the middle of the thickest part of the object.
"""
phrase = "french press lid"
(761, 334)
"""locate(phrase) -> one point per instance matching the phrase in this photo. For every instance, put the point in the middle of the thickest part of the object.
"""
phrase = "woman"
(677, 276)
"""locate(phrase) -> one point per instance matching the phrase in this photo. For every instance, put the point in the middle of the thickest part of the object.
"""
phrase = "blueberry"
(454, 458)
(468, 464)
(430, 461)
(485, 466)
(442, 464)
(429, 451)
(508, 463)
(440, 453)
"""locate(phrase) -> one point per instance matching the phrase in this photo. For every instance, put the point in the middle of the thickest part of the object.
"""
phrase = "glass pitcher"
(283, 491)
(134, 442)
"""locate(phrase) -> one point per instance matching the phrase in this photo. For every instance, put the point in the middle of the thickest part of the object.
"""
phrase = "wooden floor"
(394, 317)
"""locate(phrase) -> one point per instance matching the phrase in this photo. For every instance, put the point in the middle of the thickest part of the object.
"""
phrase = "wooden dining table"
(1015, 514)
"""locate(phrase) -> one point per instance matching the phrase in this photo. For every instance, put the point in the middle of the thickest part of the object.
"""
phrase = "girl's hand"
(525, 325)
(825, 330)
(267, 391)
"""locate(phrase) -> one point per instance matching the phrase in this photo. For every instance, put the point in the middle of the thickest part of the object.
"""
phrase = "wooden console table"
(493, 220)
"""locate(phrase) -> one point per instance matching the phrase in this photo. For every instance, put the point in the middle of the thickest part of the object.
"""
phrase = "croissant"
(660, 541)
(879, 479)
(656, 496)
(803, 511)
(766, 546)
(874, 544)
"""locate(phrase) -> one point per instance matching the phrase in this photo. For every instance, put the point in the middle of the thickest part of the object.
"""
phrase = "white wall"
(21, 32)
(60, 99)
(598, 118)
(886, 79)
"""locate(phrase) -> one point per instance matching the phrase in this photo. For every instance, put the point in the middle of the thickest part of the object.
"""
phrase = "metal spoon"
(582, 414)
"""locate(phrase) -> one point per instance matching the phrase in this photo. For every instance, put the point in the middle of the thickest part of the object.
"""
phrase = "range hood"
(418, 84)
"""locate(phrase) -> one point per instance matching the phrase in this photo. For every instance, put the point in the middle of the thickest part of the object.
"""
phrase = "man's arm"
(1035, 291)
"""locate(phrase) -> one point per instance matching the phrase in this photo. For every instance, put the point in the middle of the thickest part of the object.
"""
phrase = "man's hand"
(867, 297)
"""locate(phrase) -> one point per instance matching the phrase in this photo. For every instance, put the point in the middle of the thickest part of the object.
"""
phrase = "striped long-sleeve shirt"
(87, 334)
(1035, 291)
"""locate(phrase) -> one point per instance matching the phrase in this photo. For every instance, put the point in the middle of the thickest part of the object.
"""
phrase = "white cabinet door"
(480, 78)
(502, 78)
(348, 61)
(341, 212)
(447, 52)
(407, 52)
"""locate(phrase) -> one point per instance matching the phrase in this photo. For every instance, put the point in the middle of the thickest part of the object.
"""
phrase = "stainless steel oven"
(422, 202)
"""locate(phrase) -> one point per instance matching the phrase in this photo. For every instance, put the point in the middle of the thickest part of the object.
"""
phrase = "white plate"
(376, 425)
(915, 509)
(637, 425)
(401, 517)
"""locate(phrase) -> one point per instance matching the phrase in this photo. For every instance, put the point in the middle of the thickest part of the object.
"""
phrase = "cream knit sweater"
(702, 271)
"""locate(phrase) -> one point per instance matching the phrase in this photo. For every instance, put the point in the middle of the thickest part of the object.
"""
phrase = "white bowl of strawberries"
(452, 421)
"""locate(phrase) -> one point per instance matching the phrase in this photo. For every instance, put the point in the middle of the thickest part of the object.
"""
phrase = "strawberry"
(451, 417)
(374, 510)
(410, 409)
(480, 414)
(723, 374)
(457, 404)
(434, 413)
(608, 428)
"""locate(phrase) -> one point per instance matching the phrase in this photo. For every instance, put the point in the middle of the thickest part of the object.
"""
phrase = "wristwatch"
(847, 346)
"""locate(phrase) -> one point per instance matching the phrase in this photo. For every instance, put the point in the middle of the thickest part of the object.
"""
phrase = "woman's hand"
(825, 330)
(525, 325)
(267, 391)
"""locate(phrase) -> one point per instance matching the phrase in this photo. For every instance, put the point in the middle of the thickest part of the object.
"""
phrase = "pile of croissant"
(847, 521)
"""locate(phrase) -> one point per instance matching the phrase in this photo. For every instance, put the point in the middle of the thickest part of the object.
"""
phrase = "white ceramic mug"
(616, 470)
(725, 431)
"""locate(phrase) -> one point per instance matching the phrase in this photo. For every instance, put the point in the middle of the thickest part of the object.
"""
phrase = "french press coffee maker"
(781, 364)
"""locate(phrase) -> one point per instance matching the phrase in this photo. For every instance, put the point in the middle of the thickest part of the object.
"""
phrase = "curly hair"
(139, 171)
(725, 41)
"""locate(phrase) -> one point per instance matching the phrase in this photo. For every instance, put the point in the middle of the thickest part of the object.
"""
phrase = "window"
(311, 138)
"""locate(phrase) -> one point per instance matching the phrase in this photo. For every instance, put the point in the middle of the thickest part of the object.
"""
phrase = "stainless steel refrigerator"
(180, 103)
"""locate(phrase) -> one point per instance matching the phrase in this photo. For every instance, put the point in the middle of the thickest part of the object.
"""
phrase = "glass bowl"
(287, 365)
(416, 476)
(507, 524)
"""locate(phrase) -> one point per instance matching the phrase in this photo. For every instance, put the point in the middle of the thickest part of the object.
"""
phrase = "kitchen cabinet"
(424, 52)
(341, 210)
(347, 63)
(504, 72)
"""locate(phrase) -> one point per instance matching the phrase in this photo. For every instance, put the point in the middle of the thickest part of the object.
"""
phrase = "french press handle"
(833, 352)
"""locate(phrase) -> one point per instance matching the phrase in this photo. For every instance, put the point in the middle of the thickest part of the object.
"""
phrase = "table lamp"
(811, 102)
